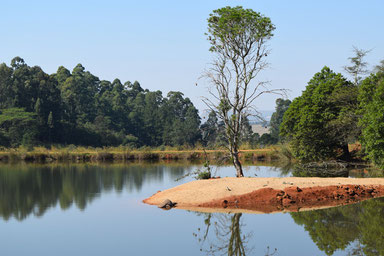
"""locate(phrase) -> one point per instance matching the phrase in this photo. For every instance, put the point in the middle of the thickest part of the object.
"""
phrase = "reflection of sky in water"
(118, 223)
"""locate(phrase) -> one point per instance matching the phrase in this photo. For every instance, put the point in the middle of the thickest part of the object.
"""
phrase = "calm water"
(97, 210)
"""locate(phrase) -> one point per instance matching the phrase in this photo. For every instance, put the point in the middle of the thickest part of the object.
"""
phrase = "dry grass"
(89, 154)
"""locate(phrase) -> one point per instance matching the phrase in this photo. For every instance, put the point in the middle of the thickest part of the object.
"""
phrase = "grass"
(89, 154)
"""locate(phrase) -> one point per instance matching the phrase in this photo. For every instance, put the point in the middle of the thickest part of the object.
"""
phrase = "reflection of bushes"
(27, 189)
(337, 228)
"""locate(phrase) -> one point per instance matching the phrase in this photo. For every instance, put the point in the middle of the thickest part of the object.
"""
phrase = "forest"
(78, 108)
(64, 108)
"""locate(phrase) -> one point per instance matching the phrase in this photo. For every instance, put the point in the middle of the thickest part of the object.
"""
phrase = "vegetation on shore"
(333, 112)
(89, 154)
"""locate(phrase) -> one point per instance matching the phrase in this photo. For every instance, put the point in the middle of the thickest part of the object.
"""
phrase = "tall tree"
(380, 67)
(310, 121)
(238, 39)
(358, 65)
(371, 102)
(277, 118)
(181, 120)
(6, 92)
(246, 132)
(210, 129)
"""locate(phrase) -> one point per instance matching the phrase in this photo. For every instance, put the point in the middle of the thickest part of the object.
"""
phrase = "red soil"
(294, 198)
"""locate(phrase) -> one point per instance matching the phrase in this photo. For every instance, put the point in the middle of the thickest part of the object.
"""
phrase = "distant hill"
(266, 115)
(253, 119)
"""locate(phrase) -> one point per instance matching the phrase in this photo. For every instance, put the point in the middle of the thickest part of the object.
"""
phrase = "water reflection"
(33, 189)
(223, 234)
(27, 189)
(357, 228)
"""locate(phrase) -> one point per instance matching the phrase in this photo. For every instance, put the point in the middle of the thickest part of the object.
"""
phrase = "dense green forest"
(78, 108)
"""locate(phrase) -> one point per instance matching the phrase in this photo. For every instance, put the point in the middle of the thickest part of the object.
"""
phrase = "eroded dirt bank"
(266, 195)
(267, 200)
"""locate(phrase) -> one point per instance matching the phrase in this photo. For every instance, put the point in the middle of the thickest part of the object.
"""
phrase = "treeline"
(78, 108)
(333, 112)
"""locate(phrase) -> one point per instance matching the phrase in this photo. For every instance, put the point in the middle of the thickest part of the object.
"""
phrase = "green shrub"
(203, 175)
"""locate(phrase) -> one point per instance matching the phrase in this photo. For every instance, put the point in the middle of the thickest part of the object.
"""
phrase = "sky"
(162, 44)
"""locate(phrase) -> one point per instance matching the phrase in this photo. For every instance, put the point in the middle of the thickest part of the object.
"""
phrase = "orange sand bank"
(266, 195)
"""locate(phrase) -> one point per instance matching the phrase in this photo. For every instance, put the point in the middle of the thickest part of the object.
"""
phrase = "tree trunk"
(346, 156)
(237, 164)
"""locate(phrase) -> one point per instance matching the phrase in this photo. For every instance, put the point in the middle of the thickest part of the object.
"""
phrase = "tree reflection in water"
(357, 228)
(32, 189)
(227, 237)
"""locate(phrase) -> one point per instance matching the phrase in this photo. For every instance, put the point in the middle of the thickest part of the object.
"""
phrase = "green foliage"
(230, 24)
(266, 139)
(77, 108)
(315, 123)
(380, 67)
(181, 120)
(17, 127)
(203, 175)
(277, 118)
(246, 133)
(358, 65)
(210, 129)
(371, 109)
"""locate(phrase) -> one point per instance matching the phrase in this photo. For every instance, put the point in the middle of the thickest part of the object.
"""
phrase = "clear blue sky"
(162, 45)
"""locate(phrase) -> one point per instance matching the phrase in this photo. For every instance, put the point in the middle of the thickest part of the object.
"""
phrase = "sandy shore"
(269, 194)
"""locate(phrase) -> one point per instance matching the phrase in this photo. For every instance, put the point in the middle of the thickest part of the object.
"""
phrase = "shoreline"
(42, 155)
(268, 195)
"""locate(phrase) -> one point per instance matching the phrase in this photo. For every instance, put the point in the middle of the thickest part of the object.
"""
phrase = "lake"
(91, 209)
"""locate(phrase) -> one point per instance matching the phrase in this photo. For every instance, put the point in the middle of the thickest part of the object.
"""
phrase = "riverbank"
(267, 195)
(44, 155)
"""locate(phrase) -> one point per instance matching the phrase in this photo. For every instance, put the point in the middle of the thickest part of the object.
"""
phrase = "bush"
(203, 175)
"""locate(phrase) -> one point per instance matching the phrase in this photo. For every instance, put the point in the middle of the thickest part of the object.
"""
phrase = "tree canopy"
(317, 123)
(277, 118)
(371, 109)
(78, 108)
